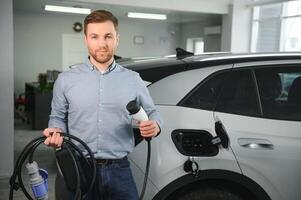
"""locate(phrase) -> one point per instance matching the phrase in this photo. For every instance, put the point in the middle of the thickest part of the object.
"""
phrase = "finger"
(149, 135)
(47, 141)
(46, 132)
(147, 128)
(52, 130)
(148, 132)
(146, 123)
(57, 140)
(53, 138)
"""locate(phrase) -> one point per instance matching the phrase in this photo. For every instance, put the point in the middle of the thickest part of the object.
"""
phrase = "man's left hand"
(149, 128)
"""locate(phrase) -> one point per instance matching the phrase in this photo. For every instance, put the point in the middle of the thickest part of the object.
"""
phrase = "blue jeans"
(113, 182)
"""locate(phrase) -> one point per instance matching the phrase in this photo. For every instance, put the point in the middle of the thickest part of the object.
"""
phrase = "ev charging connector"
(138, 114)
(38, 181)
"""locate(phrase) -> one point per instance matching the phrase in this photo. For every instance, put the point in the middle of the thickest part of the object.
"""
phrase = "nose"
(101, 42)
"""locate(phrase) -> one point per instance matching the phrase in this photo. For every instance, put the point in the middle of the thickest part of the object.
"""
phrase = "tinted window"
(239, 95)
(280, 92)
(205, 95)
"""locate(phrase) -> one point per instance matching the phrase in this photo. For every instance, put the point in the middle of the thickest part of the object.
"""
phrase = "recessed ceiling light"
(67, 9)
(147, 16)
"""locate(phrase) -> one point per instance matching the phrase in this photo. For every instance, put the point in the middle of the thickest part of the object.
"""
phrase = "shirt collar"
(92, 67)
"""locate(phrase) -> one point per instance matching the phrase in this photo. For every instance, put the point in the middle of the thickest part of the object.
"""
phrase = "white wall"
(236, 28)
(241, 27)
(38, 41)
(38, 44)
(6, 89)
(227, 31)
(212, 43)
(160, 38)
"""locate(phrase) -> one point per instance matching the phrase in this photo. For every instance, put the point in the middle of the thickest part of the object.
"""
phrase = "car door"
(192, 114)
(260, 108)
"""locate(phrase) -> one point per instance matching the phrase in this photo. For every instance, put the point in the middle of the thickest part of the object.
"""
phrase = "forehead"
(101, 28)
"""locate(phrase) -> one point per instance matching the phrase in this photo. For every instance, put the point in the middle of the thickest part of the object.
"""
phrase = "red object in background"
(20, 100)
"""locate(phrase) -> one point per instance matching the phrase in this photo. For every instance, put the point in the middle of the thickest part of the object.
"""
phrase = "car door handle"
(255, 143)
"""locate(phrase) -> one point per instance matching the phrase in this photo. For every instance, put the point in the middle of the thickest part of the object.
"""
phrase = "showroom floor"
(44, 157)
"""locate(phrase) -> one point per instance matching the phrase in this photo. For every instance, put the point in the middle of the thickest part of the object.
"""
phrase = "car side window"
(205, 95)
(239, 95)
(280, 92)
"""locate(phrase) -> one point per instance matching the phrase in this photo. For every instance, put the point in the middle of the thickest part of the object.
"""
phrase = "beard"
(102, 56)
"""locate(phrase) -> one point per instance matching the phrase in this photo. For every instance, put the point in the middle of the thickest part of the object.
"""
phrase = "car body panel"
(277, 169)
(171, 167)
(267, 151)
(172, 89)
(273, 168)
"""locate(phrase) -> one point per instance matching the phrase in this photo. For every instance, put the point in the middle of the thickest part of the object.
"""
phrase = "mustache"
(101, 49)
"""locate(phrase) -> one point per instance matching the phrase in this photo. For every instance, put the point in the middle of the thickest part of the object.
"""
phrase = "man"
(90, 102)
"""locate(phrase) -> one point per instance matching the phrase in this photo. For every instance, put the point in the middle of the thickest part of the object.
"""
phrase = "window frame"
(274, 66)
(256, 93)
(256, 20)
(251, 66)
(200, 84)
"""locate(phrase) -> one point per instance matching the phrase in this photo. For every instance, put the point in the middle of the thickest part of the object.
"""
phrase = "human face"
(101, 40)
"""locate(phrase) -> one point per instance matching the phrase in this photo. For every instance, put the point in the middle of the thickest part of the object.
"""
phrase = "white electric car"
(232, 127)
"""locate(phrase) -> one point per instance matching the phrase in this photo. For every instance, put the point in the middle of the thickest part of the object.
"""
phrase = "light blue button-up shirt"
(92, 106)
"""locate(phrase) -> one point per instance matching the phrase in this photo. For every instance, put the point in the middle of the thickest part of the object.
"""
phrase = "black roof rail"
(181, 53)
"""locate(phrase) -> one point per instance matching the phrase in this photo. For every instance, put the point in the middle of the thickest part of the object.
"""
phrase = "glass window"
(268, 12)
(205, 95)
(277, 27)
(291, 38)
(195, 45)
(268, 36)
(280, 92)
(292, 8)
(238, 95)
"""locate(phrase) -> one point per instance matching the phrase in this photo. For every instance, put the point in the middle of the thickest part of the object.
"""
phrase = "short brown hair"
(99, 16)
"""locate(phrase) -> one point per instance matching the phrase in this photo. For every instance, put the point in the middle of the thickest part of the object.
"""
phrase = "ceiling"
(119, 11)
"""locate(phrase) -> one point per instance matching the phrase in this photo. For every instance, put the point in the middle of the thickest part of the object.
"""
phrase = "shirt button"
(99, 120)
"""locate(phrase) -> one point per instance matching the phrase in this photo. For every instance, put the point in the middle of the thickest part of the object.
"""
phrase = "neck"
(101, 66)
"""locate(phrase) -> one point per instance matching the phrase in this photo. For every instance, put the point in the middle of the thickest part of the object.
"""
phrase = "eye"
(109, 36)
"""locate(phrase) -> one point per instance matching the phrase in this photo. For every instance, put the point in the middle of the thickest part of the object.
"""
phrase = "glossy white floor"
(44, 157)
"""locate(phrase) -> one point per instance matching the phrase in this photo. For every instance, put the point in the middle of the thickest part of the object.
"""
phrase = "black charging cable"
(138, 114)
(148, 141)
(73, 150)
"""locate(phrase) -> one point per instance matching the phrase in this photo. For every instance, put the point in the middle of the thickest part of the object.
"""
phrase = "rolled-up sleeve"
(146, 101)
(59, 106)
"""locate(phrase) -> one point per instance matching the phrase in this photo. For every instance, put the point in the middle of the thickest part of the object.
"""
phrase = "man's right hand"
(55, 139)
